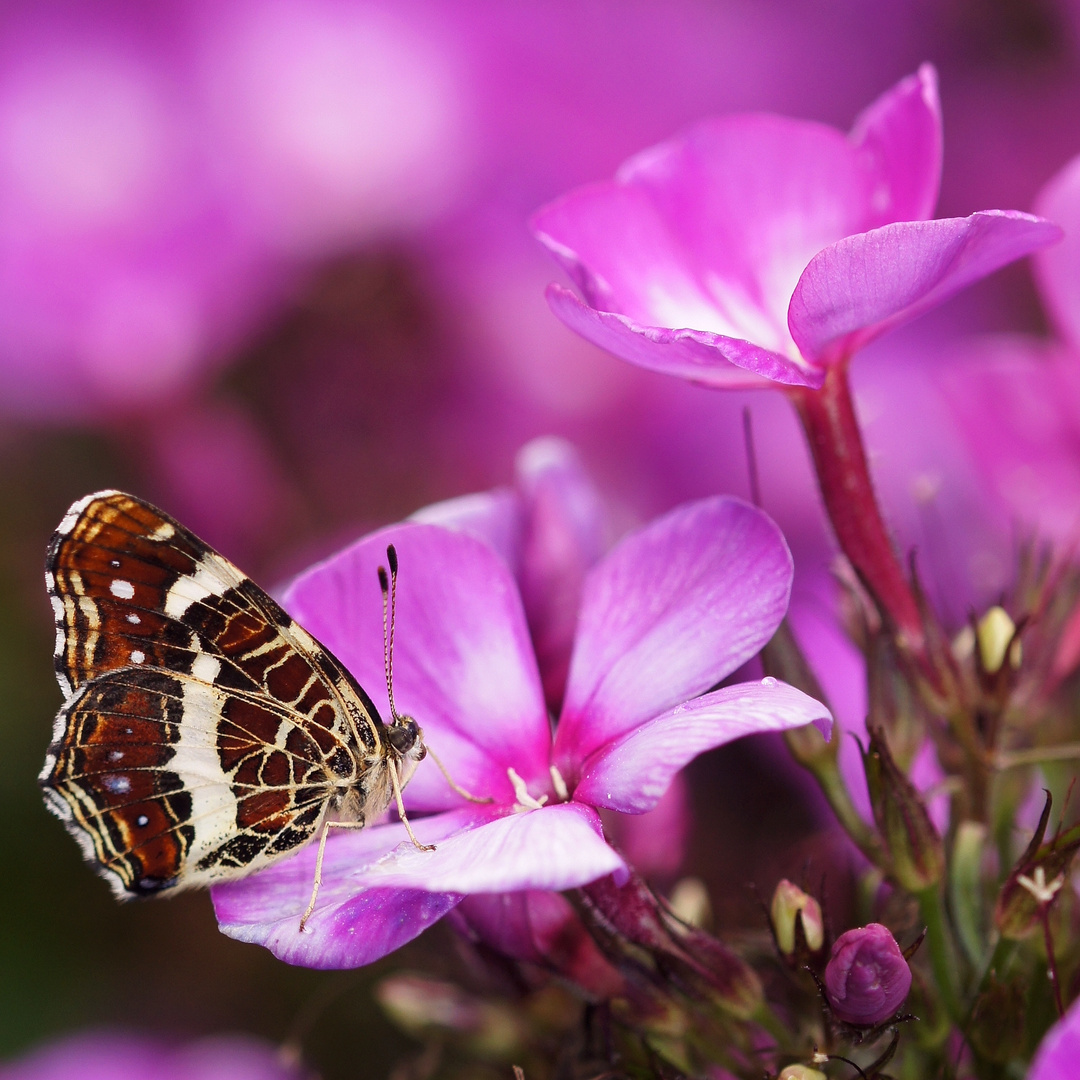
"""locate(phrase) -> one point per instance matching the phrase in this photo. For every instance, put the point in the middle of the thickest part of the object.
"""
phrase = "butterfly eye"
(402, 736)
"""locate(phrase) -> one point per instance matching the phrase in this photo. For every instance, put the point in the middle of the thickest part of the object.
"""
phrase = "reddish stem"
(828, 418)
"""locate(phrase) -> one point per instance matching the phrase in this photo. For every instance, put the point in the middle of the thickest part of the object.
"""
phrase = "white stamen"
(559, 783)
(1039, 888)
(521, 793)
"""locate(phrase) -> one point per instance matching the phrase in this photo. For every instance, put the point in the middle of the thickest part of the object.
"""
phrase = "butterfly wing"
(205, 733)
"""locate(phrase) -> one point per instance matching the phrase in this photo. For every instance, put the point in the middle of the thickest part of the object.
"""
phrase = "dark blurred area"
(267, 265)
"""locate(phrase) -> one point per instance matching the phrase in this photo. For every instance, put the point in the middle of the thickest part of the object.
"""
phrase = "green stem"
(942, 954)
(827, 773)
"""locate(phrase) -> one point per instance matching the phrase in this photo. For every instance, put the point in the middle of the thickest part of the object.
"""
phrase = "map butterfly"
(204, 733)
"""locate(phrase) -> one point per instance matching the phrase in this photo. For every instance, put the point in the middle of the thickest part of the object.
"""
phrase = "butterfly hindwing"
(205, 733)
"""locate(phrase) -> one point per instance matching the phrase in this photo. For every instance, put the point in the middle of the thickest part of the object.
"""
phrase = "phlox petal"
(633, 773)
(356, 920)
(861, 286)
(698, 355)
(899, 138)
(463, 665)
(1059, 1051)
(671, 610)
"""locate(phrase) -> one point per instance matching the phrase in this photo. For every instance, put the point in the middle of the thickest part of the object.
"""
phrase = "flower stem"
(942, 956)
(828, 418)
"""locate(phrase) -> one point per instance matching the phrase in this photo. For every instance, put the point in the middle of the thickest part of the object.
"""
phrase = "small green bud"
(790, 905)
(996, 636)
(801, 1072)
(917, 857)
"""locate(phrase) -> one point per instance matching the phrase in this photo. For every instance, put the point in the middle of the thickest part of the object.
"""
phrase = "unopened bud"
(867, 977)
(791, 905)
(917, 858)
(801, 1072)
(996, 634)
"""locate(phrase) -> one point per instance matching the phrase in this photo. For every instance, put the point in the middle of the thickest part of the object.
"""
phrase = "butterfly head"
(406, 738)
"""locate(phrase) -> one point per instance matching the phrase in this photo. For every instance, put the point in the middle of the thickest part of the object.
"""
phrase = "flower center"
(522, 799)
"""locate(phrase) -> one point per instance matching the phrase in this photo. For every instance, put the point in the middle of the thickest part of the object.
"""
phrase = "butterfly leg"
(315, 885)
(401, 809)
(450, 780)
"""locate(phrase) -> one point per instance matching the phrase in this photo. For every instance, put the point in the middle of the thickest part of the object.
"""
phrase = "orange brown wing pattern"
(204, 732)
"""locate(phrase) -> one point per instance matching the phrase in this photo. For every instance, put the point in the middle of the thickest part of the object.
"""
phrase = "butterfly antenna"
(388, 585)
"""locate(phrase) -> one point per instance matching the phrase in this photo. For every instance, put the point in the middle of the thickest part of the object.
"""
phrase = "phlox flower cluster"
(565, 667)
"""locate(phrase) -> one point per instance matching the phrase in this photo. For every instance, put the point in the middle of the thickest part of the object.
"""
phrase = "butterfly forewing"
(205, 733)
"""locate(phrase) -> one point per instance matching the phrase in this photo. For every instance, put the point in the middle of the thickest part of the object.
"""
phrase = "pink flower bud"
(867, 977)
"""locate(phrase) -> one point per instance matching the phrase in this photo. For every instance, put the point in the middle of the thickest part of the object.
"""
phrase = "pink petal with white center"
(356, 920)
(899, 138)
(862, 286)
(1058, 269)
(463, 664)
(632, 774)
(671, 610)
(697, 355)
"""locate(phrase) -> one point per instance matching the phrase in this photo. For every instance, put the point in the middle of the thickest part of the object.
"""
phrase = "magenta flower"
(1017, 397)
(1059, 1051)
(669, 612)
(114, 1056)
(755, 247)
(867, 977)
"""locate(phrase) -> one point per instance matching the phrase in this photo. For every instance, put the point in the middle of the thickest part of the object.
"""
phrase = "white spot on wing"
(164, 531)
(191, 588)
(118, 785)
(137, 656)
(206, 667)
(134, 619)
(123, 589)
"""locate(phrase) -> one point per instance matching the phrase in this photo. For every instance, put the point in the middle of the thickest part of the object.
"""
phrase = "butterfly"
(204, 733)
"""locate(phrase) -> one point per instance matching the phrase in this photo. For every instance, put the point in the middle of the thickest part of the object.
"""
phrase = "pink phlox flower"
(666, 614)
(756, 247)
(1017, 397)
(104, 1055)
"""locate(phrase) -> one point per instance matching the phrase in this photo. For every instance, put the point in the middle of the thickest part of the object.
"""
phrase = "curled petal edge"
(697, 355)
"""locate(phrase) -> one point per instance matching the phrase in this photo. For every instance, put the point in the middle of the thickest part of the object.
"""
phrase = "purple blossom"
(1059, 1051)
(867, 977)
(755, 247)
(669, 612)
(115, 1056)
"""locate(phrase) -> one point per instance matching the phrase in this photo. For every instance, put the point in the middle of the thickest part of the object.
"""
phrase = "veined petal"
(463, 662)
(898, 139)
(702, 357)
(668, 613)
(631, 774)
(556, 847)
(861, 286)
(356, 920)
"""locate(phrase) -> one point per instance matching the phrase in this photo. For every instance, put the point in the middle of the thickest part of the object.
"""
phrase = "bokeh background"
(266, 263)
